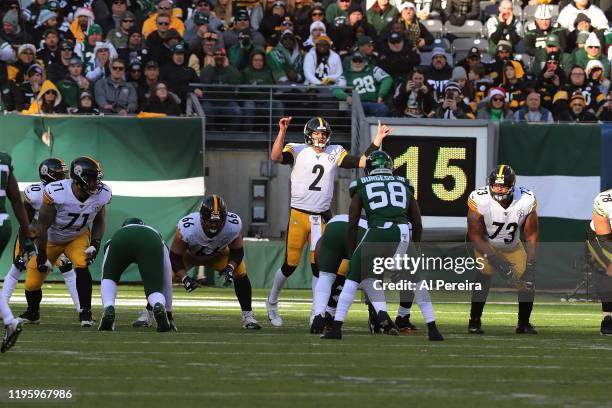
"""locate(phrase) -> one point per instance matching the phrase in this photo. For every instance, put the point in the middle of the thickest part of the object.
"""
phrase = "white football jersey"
(313, 176)
(503, 224)
(73, 215)
(603, 206)
(190, 231)
(34, 196)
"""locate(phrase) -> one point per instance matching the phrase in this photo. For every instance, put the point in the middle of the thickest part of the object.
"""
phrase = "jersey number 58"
(379, 196)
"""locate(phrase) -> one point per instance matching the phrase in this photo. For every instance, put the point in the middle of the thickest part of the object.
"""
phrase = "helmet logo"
(499, 180)
(78, 170)
(44, 170)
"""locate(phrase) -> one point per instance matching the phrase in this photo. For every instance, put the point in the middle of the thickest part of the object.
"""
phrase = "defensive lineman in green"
(390, 211)
(141, 244)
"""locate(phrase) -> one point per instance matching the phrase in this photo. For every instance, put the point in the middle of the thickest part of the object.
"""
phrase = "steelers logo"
(44, 170)
(78, 170)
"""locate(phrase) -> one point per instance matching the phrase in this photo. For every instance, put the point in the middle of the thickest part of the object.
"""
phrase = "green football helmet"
(132, 221)
(379, 162)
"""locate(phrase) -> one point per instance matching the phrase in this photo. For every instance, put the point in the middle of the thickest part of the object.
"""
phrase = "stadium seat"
(461, 46)
(438, 42)
(471, 28)
(425, 58)
(435, 27)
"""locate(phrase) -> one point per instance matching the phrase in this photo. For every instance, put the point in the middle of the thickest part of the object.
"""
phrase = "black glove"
(501, 265)
(228, 275)
(28, 249)
(528, 278)
(19, 262)
(190, 284)
(65, 264)
(42, 264)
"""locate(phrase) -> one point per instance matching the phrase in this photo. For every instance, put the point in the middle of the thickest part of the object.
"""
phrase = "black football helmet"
(87, 174)
(52, 169)
(503, 175)
(317, 124)
(213, 214)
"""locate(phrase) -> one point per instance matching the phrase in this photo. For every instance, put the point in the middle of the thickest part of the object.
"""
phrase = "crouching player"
(141, 244)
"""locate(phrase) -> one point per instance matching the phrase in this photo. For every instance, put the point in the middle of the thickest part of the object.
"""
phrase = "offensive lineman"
(50, 170)
(212, 237)
(600, 245)
(313, 169)
(496, 215)
(69, 207)
(136, 242)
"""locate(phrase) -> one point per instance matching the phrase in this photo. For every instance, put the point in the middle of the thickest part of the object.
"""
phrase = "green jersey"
(6, 169)
(370, 83)
(385, 198)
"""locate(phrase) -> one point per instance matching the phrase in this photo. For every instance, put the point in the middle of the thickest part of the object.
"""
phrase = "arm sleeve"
(352, 162)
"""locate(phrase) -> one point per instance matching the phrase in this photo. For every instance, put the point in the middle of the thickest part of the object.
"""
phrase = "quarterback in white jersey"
(69, 208)
(497, 214)
(314, 165)
(212, 237)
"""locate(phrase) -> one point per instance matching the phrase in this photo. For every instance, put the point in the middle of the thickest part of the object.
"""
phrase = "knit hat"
(94, 29)
(354, 8)
(458, 73)
(86, 94)
(317, 24)
(581, 17)
(405, 6)
(577, 97)
(75, 61)
(84, 11)
(543, 12)
(504, 45)
(128, 15)
(11, 17)
(45, 15)
(452, 86)
(437, 52)
(323, 38)
(497, 91)
(592, 41)
(24, 47)
(34, 69)
(591, 65)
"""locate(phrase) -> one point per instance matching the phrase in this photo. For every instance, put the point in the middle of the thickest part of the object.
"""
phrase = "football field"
(212, 362)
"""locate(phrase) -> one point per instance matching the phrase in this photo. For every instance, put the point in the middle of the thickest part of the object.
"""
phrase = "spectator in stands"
(300, 10)
(452, 106)
(591, 52)
(322, 65)
(317, 29)
(439, 72)
(258, 104)
(552, 45)
(596, 78)
(85, 50)
(262, 8)
(480, 82)
(164, 8)
(458, 11)
(513, 85)
(429, 9)
(223, 11)
(112, 20)
(177, 75)
(286, 60)
(465, 87)
(578, 111)
(47, 20)
(346, 35)
(533, 112)
(73, 84)
(161, 101)
(551, 77)
(151, 79)
(99, 67)
(11, 31)
(59, 70)
(7, 53)
(496, 68)
(49, 51)
(317, 13)
(239, 54)
(48, 101)
(536, 32)
(135, 49)
(113, 94)
(135, 75)
(29, 89)
(418, 35)
(87, 105)
(381, 14)
(605, 112)
(577, 84)
(413, 98)
(198, 27)
(203, 56)
(25, 58)
(568, 15)
(272, 20)
(337, 13)
(472, 59)
(396, 56)
(156, 40)
(495, 107)
(242, 26)
(119, 36)
(504, 26)
(582, 24)
(83, 18)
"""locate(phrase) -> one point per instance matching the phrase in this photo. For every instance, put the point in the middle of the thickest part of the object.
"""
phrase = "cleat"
(107, 321)
(11, 333)
(273, 315)
(248, 322)
(434, 334)
(404, 326)
(606, 326)
(159, 312)
(475, 326)
(387, 325)
(373, 324)
(328, 322)
(332, 334)
(525, 328)
(30, 317)
(86, 318)
(172, 325)
(145, 319)
(318, 325)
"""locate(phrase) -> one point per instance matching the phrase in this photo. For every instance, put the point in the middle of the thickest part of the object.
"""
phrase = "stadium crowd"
(540, 62)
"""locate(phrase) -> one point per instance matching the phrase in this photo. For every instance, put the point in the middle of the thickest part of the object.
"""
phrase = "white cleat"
(273, 315)
(145, 319)
(12, 331)
(248, 321)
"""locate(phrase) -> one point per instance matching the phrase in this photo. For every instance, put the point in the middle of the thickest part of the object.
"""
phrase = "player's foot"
(606, 326)
(30, 317)
(273, 315)
(475, 326)
(107, 321)
(159, 313)
(373, 324)
(145, 319)
(248, 321)
(334, 333)
(328, 322)
(525, 328)
(318, 325)
(404, 325)
(387, 325)
(433, 332)
(11, 332)
(172, 325)
(86, 318)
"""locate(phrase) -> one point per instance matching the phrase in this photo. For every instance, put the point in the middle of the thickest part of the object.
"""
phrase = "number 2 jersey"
(503, 224)
(603, 206)
(385, 198)
(189, 230)
(73, 215)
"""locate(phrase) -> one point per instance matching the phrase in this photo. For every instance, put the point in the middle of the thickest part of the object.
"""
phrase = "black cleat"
(318, 325)
(373, 324)
(475, 326)
(434, 334)
(172, 325)
(333, 334)
(30, 317)
(159, 313)
(606, 326)
(387, 325)
(86, 318)
(404, 326)
(107, 321)
(525, 328)
(328, 321)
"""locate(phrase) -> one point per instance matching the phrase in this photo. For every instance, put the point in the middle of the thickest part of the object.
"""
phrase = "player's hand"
(501, 265)
(65, 264)
(527, 281)
(92, 251)
(42, 263)
(228, 275)
(28, 249)
(383, 130)
(283, 123)
(19, 262)
(189, 283)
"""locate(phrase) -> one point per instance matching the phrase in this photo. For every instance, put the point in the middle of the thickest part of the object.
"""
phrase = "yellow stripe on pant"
(299, 234)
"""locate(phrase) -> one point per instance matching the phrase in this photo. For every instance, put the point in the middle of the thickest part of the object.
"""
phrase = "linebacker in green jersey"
(141, 244)
(390, 211)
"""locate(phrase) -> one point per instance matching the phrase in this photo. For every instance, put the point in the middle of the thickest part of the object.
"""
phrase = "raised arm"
(276, 154)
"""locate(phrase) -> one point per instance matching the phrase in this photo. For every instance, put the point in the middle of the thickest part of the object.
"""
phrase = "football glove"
(501, 265)
(528, 279)
(228, 275)
(28, 249)
(189, 283)
(42, 263)
(65, 264)
(92, 251)
(19, 262)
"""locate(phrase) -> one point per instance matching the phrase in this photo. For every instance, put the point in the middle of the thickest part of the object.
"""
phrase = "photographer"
(414, 98)
(238, 54)
(452, 106)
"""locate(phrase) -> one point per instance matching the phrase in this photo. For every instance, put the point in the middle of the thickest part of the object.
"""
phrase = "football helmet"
(505, 176)
(213, 214)
(317, 124)
(87, 174)
(378, 162)
(52, 169)
(132, 221)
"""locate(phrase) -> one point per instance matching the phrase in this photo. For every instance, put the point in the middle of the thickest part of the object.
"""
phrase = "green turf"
(211, 362)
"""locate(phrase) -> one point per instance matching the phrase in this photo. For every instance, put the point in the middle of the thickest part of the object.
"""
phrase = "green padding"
(263, 260)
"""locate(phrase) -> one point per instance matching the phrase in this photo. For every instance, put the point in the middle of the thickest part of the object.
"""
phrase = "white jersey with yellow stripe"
(313, 175)
(503, 224)
(190, 231)
(603, 206)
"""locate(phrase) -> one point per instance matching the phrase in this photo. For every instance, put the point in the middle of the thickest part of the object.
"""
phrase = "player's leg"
(12, 277)
(75, 250)
(168, 288)
(526, 295)
(65, 266)
(603, 281)
(12, 326)
(33, 285)
(317, 228)
(402, 320)
(482, 284)
(116, 260)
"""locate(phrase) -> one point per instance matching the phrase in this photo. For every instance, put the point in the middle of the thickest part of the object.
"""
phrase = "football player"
(10, 189)
(50, 170)
(600, 245)
(497, 214)
(391, 211)
(141, 244)
(212, 237)
(69, 207)
(314, 165)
